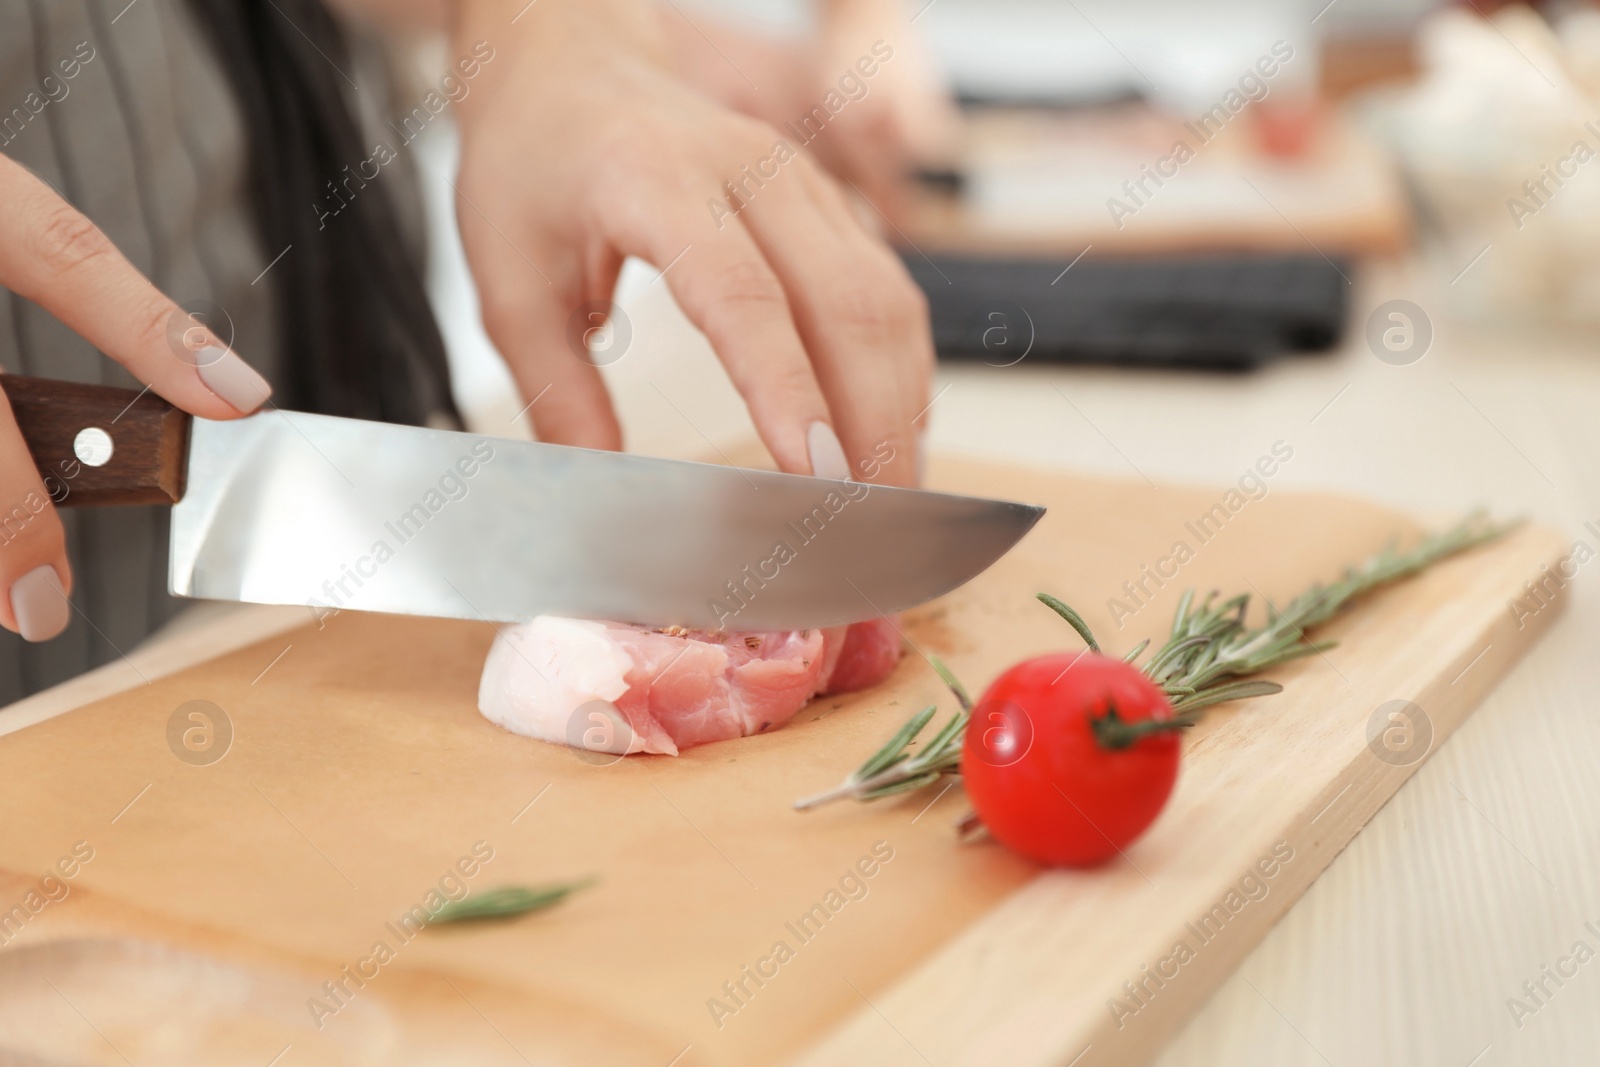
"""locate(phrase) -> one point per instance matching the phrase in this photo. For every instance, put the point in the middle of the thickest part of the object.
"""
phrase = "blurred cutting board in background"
(1042, 182)
(222, 896)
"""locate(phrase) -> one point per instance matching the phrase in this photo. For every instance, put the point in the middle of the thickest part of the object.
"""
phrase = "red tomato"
(1039, 779)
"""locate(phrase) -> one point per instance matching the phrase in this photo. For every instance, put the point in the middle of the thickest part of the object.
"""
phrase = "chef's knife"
(289, 508)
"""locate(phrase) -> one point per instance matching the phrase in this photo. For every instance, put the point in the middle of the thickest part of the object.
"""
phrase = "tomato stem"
(1113, 733)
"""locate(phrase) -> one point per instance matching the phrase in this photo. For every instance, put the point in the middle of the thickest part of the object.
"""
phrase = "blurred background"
(1191, 188)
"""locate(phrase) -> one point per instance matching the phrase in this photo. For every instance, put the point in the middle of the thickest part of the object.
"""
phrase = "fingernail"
(40, 604)
(827, 454)
(232, 378)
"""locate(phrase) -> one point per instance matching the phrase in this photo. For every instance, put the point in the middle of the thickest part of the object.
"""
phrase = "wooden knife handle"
(148, 438)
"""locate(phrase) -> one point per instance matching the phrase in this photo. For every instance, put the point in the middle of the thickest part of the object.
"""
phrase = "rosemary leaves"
(1207, 659)
(506, 902)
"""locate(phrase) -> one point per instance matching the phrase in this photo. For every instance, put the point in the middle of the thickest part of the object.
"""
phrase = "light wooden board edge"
(1033, 1023)
(945, 230)
(159, 657)
(945, 224)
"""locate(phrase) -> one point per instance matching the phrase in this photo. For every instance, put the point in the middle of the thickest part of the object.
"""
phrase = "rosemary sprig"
(1204, 662)
(506, 902)
(1211, 647)
(893, 769)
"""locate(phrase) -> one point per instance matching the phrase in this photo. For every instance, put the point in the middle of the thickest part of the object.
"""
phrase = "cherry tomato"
(1042, 782)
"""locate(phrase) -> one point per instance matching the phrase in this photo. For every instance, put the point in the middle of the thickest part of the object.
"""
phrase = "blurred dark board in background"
(1226, 311)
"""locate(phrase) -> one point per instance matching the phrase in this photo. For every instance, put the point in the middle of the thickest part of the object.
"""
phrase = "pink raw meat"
(867, 656)
(675, 688)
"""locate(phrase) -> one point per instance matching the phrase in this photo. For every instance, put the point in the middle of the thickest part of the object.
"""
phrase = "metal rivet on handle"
(92, 446)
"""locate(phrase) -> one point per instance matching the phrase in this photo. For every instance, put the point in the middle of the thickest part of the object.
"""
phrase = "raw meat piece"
(867, 655)
(559, 679)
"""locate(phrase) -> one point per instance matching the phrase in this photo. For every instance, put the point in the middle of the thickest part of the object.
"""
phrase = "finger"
(61, 261)
(727, 289)
(34, 576)
(873, 156)
(862, 319)
(541, 336)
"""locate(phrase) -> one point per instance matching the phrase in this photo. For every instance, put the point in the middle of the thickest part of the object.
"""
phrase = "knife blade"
(344, 514)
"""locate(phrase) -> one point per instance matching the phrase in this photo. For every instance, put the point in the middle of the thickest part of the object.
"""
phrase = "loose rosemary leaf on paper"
(1206, 660)
(506, 902)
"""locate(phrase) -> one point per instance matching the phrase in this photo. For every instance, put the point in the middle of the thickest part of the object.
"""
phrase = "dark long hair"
(357, 334)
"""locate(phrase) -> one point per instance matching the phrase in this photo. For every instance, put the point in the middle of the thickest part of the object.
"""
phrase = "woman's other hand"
(582, 145)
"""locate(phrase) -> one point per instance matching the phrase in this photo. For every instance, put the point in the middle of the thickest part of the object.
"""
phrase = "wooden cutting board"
(223, 893)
